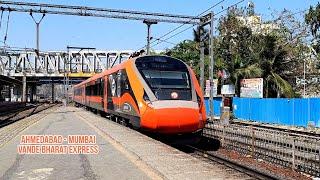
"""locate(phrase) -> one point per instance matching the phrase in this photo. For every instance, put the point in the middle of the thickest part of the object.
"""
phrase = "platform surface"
(124, 153)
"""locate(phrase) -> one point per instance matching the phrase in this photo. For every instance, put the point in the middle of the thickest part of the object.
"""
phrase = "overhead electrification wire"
(196, 16)
(194, 25)
(178, 27)
(157, 39)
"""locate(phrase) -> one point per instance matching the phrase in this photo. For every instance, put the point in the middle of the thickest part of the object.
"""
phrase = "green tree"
(233, 50)
(312, 18)
(272, 58)
(247, 55)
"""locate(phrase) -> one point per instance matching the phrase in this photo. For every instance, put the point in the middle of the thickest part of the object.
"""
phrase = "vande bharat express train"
(155, 93)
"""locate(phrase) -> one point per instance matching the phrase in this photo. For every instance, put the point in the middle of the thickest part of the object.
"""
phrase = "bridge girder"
(58, 64)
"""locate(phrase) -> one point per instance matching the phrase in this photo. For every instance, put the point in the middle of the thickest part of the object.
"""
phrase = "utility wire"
(178, 27)
(158, 39)
(190, 20)
(194, 25)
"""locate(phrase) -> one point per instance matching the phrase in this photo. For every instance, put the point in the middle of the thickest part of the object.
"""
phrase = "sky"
(59, 31)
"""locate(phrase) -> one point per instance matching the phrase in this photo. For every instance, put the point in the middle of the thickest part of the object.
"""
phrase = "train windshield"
(165, 75)
(166, 79)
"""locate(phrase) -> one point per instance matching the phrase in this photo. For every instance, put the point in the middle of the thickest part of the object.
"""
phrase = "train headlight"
(174, 95)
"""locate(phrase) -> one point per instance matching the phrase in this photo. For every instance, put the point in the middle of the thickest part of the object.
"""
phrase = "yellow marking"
(135, 159)
(81, 74)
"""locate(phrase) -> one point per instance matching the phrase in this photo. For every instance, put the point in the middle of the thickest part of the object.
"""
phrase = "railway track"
(292, 151)
(9, 109)
(11, 129)
(206, 150)
(216, 158)
(21, 113)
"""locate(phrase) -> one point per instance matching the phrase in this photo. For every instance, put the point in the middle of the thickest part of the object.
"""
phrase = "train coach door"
(119, 90)
(111, 92)
(104, 94)
(100, 92)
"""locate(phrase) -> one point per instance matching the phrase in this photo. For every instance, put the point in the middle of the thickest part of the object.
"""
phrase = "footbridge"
(54, 64)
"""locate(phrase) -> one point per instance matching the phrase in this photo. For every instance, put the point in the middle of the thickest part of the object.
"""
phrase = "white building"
(256, 24)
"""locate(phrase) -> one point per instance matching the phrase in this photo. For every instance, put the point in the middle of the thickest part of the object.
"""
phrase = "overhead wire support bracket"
(97, 12)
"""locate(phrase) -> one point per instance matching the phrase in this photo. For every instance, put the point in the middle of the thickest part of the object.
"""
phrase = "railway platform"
(122, 153)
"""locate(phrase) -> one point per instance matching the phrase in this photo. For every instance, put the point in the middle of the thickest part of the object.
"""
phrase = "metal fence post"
(253, 139)
(223, 136)
(293, 153)
(318, 157)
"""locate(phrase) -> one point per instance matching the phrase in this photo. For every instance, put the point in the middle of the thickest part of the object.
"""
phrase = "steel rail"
(297, 151)
(259, 174)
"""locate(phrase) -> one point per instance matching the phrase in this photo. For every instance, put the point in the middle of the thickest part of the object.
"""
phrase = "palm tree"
(250, 71)
(272, 62)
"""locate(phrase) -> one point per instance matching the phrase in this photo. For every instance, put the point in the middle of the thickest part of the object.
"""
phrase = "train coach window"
(78, 92)
(112, 86)
(88, 90)
(125, 84)
(95, 89)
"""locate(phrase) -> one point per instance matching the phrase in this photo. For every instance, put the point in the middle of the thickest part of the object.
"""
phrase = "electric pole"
(149, 23)
(37, 35)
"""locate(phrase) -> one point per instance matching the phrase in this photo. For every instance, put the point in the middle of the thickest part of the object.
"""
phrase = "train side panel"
(200, 98)
(121, 99)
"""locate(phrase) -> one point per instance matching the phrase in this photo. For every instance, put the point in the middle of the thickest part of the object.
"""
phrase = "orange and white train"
(154, 93)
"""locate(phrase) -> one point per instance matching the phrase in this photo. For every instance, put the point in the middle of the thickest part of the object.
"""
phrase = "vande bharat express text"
(58, 149)
(58, 139)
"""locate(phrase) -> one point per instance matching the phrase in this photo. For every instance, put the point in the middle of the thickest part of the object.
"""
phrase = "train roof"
(105, 72)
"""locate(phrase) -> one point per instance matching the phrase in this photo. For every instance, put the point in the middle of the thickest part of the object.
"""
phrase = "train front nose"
(183, 118)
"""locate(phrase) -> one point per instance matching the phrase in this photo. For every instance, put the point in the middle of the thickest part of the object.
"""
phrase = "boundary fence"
(286, 111)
